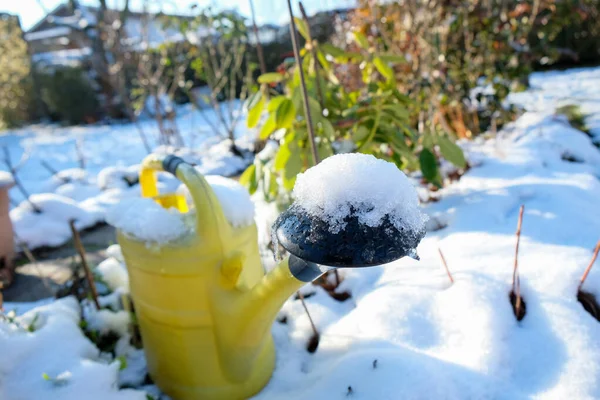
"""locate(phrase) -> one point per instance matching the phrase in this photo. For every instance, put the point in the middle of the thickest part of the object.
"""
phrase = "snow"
(234, 199)
(112, 155)
(113, 272)
(407, 331)
(361, 185)
(6, 179)
(146, 220)
(50, 227)
(56, 349)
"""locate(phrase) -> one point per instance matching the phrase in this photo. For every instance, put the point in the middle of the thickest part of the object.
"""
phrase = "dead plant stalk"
(446, 266)
(589, 267)
(88, 273)
(516, 283)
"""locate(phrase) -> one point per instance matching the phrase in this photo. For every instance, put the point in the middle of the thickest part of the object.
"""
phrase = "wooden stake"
(445, 265)
(88, 273)
(311, 133)
(589, 267)
(516, 283)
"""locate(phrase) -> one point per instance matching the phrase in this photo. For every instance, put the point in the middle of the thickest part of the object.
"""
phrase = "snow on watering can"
(204, 304)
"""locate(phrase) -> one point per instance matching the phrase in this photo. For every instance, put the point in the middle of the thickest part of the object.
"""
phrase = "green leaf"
(452, 152)
(398, 111)
(302, 27)
(248, 179)
(271, 77)
(274, 103)
(361, 40)
(285, 114)
(323, 61)
(46, 377)
(324, 150)
(428, 141)
(254, 111)
(333, 51)
(383, 68)
(267, 128)
(122, 362)
(282, 156)
(292, 168)
(272, 185)
(392, 58)
(428, 165)
(360, 134)
(315, 109)
(328, 129)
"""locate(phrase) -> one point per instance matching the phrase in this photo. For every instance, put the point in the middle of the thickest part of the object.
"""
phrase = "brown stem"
(337, 277)
(445, 265)
(88, 273)
(312, 324)
(311, 133)
(516, 284)
(589, 267)
(313, 51)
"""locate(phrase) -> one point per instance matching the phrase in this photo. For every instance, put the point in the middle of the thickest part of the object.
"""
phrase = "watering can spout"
(259, 307)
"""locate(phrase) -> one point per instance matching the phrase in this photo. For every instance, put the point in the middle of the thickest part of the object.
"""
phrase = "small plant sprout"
(61, 379)
(587, 300)
(516, 299)
(122, 362)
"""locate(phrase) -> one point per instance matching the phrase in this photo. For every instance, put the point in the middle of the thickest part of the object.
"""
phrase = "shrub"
(374, 117)
(16, 92)
(69, 96)
(464, 57)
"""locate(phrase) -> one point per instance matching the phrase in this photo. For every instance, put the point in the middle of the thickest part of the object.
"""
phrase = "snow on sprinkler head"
(352, 210)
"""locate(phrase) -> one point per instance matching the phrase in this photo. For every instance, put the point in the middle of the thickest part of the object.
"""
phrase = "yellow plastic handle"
(210, 220)
(148, 183)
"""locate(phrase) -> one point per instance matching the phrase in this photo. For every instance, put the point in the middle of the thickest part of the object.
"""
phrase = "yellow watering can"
(204, 305)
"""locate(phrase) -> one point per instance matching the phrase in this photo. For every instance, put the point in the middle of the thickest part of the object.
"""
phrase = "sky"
(267, 11)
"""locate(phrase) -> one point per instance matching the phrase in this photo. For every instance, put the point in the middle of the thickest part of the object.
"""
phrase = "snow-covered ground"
(111, 156)
(407, 332)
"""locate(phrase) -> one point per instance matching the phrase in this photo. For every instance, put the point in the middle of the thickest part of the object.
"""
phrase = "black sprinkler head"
(355, 245)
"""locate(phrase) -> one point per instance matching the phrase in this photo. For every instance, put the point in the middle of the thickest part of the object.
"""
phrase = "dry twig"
(589, 267)
(445, 265)
(13, 171)
(88, 273)
(516, 283)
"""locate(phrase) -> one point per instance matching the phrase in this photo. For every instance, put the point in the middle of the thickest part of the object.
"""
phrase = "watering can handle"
(210, 220)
